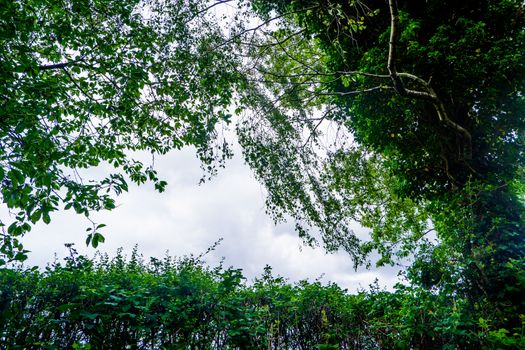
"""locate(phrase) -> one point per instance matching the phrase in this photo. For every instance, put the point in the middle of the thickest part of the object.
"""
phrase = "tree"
(88, 82)
(431, 95)
(424, 101)
(404, 116)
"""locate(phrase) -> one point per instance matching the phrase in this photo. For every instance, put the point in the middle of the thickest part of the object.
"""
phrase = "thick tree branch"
(429, 94)
(392, 46)
(60, 65)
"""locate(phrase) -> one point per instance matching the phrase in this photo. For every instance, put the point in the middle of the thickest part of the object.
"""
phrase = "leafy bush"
(172, 303)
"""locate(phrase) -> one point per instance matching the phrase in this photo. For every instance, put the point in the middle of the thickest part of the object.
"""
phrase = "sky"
(188, 218)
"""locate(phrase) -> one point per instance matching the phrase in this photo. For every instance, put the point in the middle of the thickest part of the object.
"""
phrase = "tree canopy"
(435, 121)
(404, 116)
(431, 98)
(90, 82)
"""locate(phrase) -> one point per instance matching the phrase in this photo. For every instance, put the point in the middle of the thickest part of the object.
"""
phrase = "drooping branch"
(429, 94)
(420, 89)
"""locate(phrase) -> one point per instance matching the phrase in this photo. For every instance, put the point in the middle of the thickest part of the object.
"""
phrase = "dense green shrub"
(171, 303)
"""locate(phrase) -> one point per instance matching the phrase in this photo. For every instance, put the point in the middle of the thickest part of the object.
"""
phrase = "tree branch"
(429, 94)
(261, 25)
(60, 65)
(356, 92)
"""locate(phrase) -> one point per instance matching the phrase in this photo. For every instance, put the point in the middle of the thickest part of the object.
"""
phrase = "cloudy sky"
(188, 218)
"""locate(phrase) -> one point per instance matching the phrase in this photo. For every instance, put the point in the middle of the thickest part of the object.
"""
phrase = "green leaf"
(45, 217)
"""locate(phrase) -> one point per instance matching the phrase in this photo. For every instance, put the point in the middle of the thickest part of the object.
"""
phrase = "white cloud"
(188, 218)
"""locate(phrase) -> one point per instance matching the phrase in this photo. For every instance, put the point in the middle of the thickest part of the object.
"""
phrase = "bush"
(172, 303)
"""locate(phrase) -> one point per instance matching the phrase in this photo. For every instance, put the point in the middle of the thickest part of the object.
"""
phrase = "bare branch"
(84, 92)
(275, 43)
(327, 74)
(209, 7)
(261, 25)
(392, 46)
(356, 92)
(319, 122)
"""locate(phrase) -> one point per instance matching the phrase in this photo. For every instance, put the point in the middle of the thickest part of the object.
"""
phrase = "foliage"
(86, 83)
(403, 116)
(182, 304)
(427, 101)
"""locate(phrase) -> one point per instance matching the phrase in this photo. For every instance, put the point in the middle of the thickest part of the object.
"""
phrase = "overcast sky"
(188, 218)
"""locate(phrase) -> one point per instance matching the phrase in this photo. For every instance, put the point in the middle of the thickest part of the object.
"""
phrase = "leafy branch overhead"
(85, 84)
